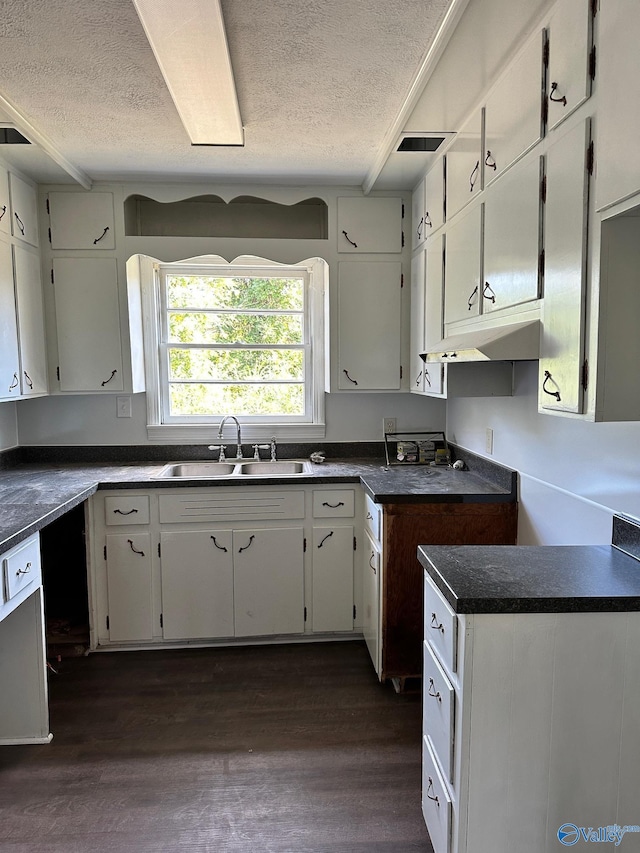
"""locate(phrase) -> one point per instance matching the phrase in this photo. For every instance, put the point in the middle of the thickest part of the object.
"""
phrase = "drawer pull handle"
(371, 564)
(490, 162)
(547, 377)
(435, 624)
(14, 383)
(426, 377)
(135, 550)
(369, 516)
(436, 693)
(562, 100)
(419, 228)
(427, 220)
(349, 240)
(104, 233)
(473, 177)
(28, 379)
(121, 512)
(431, 796)
(470, 299)
(333, 506)
(220, 547)
(113, 373)
(20, 223)
(491, 296)
(418, 378)
(24, 571)
(346, 373)
(325, 538)
(248, 545)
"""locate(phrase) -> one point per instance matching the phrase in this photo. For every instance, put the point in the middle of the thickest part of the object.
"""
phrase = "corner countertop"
(33, 495)
(534, 579)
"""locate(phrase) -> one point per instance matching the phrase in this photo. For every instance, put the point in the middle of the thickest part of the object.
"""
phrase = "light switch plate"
(123, 407)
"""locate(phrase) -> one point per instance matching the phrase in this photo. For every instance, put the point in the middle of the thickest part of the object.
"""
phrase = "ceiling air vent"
(421, 143)
(11, 136)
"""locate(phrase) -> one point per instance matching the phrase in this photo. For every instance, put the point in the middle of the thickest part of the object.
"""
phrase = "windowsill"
(187, 433)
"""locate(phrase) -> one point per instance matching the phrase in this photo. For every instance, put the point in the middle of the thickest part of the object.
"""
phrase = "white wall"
(87, 420)
(574, 474)
(8, 426)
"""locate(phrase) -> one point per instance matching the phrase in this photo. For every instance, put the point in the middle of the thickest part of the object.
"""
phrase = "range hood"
(512, 342)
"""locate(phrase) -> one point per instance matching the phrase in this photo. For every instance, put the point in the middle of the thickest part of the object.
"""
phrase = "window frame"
(182, 429)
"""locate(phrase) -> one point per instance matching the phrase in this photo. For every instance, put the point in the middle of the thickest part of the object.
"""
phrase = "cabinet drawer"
(126, 510)
(373, 519)
(440, 625)
(436, 802)
(22, 568)
(438, 703)
(338, 503)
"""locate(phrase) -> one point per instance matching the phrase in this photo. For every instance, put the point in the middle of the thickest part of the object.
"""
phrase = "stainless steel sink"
(268, 467)
(198, 469)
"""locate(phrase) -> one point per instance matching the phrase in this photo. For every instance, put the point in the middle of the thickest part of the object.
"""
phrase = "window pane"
(203, 291)
(198, 328)
(236, 365)
(195, 399)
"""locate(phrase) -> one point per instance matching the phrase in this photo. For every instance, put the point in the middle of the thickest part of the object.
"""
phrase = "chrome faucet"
(238, 436)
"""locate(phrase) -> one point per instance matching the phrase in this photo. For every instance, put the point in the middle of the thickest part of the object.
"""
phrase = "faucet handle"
(221, 448)
(257, 448)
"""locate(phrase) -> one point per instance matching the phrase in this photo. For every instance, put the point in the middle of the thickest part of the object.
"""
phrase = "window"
(235, 339)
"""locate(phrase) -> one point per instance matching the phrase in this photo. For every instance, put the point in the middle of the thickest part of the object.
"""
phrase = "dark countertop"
(534, 579)
(34, 494)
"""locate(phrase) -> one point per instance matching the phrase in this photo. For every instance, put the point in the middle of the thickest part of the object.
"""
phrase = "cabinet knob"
(438, 626)
(324, 538)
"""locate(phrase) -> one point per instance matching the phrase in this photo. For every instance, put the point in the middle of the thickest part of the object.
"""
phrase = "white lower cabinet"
(534, 729)
(371, 621)
(216, 564)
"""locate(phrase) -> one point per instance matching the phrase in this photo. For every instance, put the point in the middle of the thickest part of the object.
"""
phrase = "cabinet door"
(24, 210)
(81, 220)
(462, 268)
(5, 204)
(369, 300)
(332, 578)
(418, 226)
(434, 373)
(88, 324)
(464, 172)
(618, 124)
(129, 585)
(371, 602)
(369, 225)
(512, 238)
(416, 375)
(562, 347)
(33, 360)
(513, 111)
(268, 581)
(9, 359)
(568, 73)
(434, 197)
(197, 584)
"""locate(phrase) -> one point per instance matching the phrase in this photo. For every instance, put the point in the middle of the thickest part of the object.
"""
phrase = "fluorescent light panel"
(190, 46)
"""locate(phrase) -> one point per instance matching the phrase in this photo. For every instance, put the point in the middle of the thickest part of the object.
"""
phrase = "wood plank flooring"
(272, 749)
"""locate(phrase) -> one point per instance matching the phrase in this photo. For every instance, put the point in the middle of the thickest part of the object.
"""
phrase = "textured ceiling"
(319, 83)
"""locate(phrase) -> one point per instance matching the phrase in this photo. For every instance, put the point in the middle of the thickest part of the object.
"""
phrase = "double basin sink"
(210, 470)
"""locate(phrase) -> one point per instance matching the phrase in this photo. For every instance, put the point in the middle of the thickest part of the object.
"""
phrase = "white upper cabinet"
(462, 297)
(418, 216)
(24, 210)
(416, 375)
(562, 348)
(9, 357)
(81, 220)
(618, 120)
(31, 336)
(370, 225)
(88, 324)
(5, 204)
(434, 373)
(512, 238)
(513, 110)
(464, 170)
(434, 197)
(369, 324)
(571, 63)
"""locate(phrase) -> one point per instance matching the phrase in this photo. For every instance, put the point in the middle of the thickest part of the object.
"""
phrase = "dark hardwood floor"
(281, 749)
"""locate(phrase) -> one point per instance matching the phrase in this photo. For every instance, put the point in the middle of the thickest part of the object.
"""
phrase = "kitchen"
(574, 473)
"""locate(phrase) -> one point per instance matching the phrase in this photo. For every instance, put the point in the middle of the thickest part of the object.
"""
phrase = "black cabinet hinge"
(159, 550)
(161, 621)
(52, 275)
(49, 232)
(592, 63)
(401, 280)
(400, 371)
(105, 553)
(541, 264)
(590, 158)
(585, 374)
(403, 239)
(545, 52)
(545, 112)
(355, 543)
(403, 210)
(543, 189)
(304, 545)
(354, 613)
(305, 614)
(594, 8)
(58, 373)
(107, 621)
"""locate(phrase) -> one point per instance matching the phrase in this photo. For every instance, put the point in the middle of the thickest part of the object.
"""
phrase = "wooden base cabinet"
(405, 526)
(529, 727)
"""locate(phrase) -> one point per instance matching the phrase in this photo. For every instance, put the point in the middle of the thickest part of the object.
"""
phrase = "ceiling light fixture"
(190, 46)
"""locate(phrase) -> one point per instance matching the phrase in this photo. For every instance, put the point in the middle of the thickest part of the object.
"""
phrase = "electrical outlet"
(123, 407)
(488, 439)
(388, 425)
